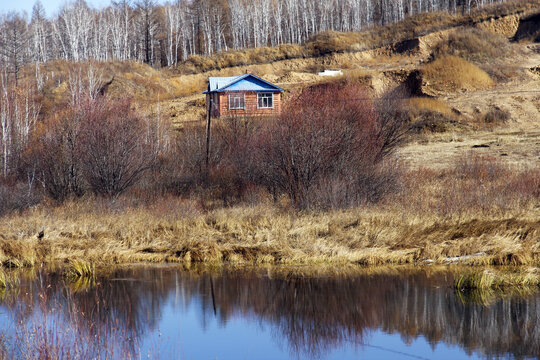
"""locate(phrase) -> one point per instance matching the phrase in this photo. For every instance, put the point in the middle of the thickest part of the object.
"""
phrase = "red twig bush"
(117, 146)
(329, 147)
(100, 145)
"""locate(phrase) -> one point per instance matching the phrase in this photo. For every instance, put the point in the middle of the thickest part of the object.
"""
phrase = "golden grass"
(419, 104)
(189, 85)
(80, 269)
(451, 74)
(331, 42)
(262, 55)
(474, 45)
(494, 279)
(430, 115)
(267, 235)
(8, 280)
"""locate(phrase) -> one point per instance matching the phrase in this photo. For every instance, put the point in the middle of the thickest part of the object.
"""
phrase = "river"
(168, 312)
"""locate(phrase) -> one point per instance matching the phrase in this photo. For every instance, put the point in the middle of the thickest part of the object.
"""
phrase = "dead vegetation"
(474, 44)
(266, 235)
(480, 206)
(429, 115)
(491, 279)
(453, 74)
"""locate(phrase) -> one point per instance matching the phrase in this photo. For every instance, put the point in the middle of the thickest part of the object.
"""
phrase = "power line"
(389, 350)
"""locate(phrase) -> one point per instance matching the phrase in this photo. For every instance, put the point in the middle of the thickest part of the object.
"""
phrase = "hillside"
(499, 116)
(480, 72)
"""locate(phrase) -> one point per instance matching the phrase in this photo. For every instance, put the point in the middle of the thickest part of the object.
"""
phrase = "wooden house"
(243, 95)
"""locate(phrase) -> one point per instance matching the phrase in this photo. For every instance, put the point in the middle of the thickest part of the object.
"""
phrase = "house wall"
(250, 105)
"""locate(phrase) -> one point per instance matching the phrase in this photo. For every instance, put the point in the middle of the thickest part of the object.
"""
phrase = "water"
(169, 313)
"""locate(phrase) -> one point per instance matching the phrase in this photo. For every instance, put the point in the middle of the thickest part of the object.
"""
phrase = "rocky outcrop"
(506, 26)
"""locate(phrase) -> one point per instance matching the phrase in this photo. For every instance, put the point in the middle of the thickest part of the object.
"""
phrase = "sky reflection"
(169, 313)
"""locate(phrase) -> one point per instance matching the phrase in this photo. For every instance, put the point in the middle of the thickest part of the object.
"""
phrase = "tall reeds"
(491, 279)
(80, 269)
(8, 280)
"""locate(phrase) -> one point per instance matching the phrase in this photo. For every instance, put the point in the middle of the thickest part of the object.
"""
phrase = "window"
(265, 100)
(236, 101)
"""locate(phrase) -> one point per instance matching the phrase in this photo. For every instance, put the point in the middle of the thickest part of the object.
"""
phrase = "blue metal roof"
(246, 82)
(215, 83)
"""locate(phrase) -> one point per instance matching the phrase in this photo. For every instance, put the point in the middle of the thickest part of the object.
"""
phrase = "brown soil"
(506, 25)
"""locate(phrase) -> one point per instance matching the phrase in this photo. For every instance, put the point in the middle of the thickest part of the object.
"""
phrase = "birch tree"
(161, 35)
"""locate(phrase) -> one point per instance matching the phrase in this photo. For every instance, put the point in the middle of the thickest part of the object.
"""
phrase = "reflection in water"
(310, 316)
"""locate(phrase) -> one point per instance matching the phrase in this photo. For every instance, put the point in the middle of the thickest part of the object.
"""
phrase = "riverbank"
(96, 232)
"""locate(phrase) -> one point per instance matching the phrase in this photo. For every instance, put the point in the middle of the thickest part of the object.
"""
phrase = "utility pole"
(208, 133)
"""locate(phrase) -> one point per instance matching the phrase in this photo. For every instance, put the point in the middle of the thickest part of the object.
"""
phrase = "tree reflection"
(312, 315)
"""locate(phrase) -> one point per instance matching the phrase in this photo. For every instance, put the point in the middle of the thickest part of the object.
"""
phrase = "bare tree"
(40, 33)
(55, 154)
(329, 138)
(161, 34)
(14, 42)
(147, 26)
(19, 111)
(117, 146)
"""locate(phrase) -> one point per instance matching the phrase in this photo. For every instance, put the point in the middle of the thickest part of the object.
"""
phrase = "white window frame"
(237, 96)
(259, 94)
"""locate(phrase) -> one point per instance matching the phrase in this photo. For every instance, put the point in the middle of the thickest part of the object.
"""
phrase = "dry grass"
(473, 208)
(479, 205)
(8, 280)
(189, 85)
(488, 285)
(493, 279)
(429, 115)
(344, 50)
(495, 116)
(474, 45)
(119, 79)
(262, 55)
(451, 74)
(80, 269)
(265, 234)
(419, 104)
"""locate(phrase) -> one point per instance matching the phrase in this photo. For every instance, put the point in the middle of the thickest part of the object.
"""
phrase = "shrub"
(328, 144)
(117, 146)
(496, 116)
(330, 148)
(183, 169)
(54, 154)
(16, 196)
(430, 115)
(430, 122)
(99, 144)
(474, 184)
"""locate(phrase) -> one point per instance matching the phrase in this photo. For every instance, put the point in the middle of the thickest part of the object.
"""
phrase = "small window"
(236, 101)
(265, 100)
